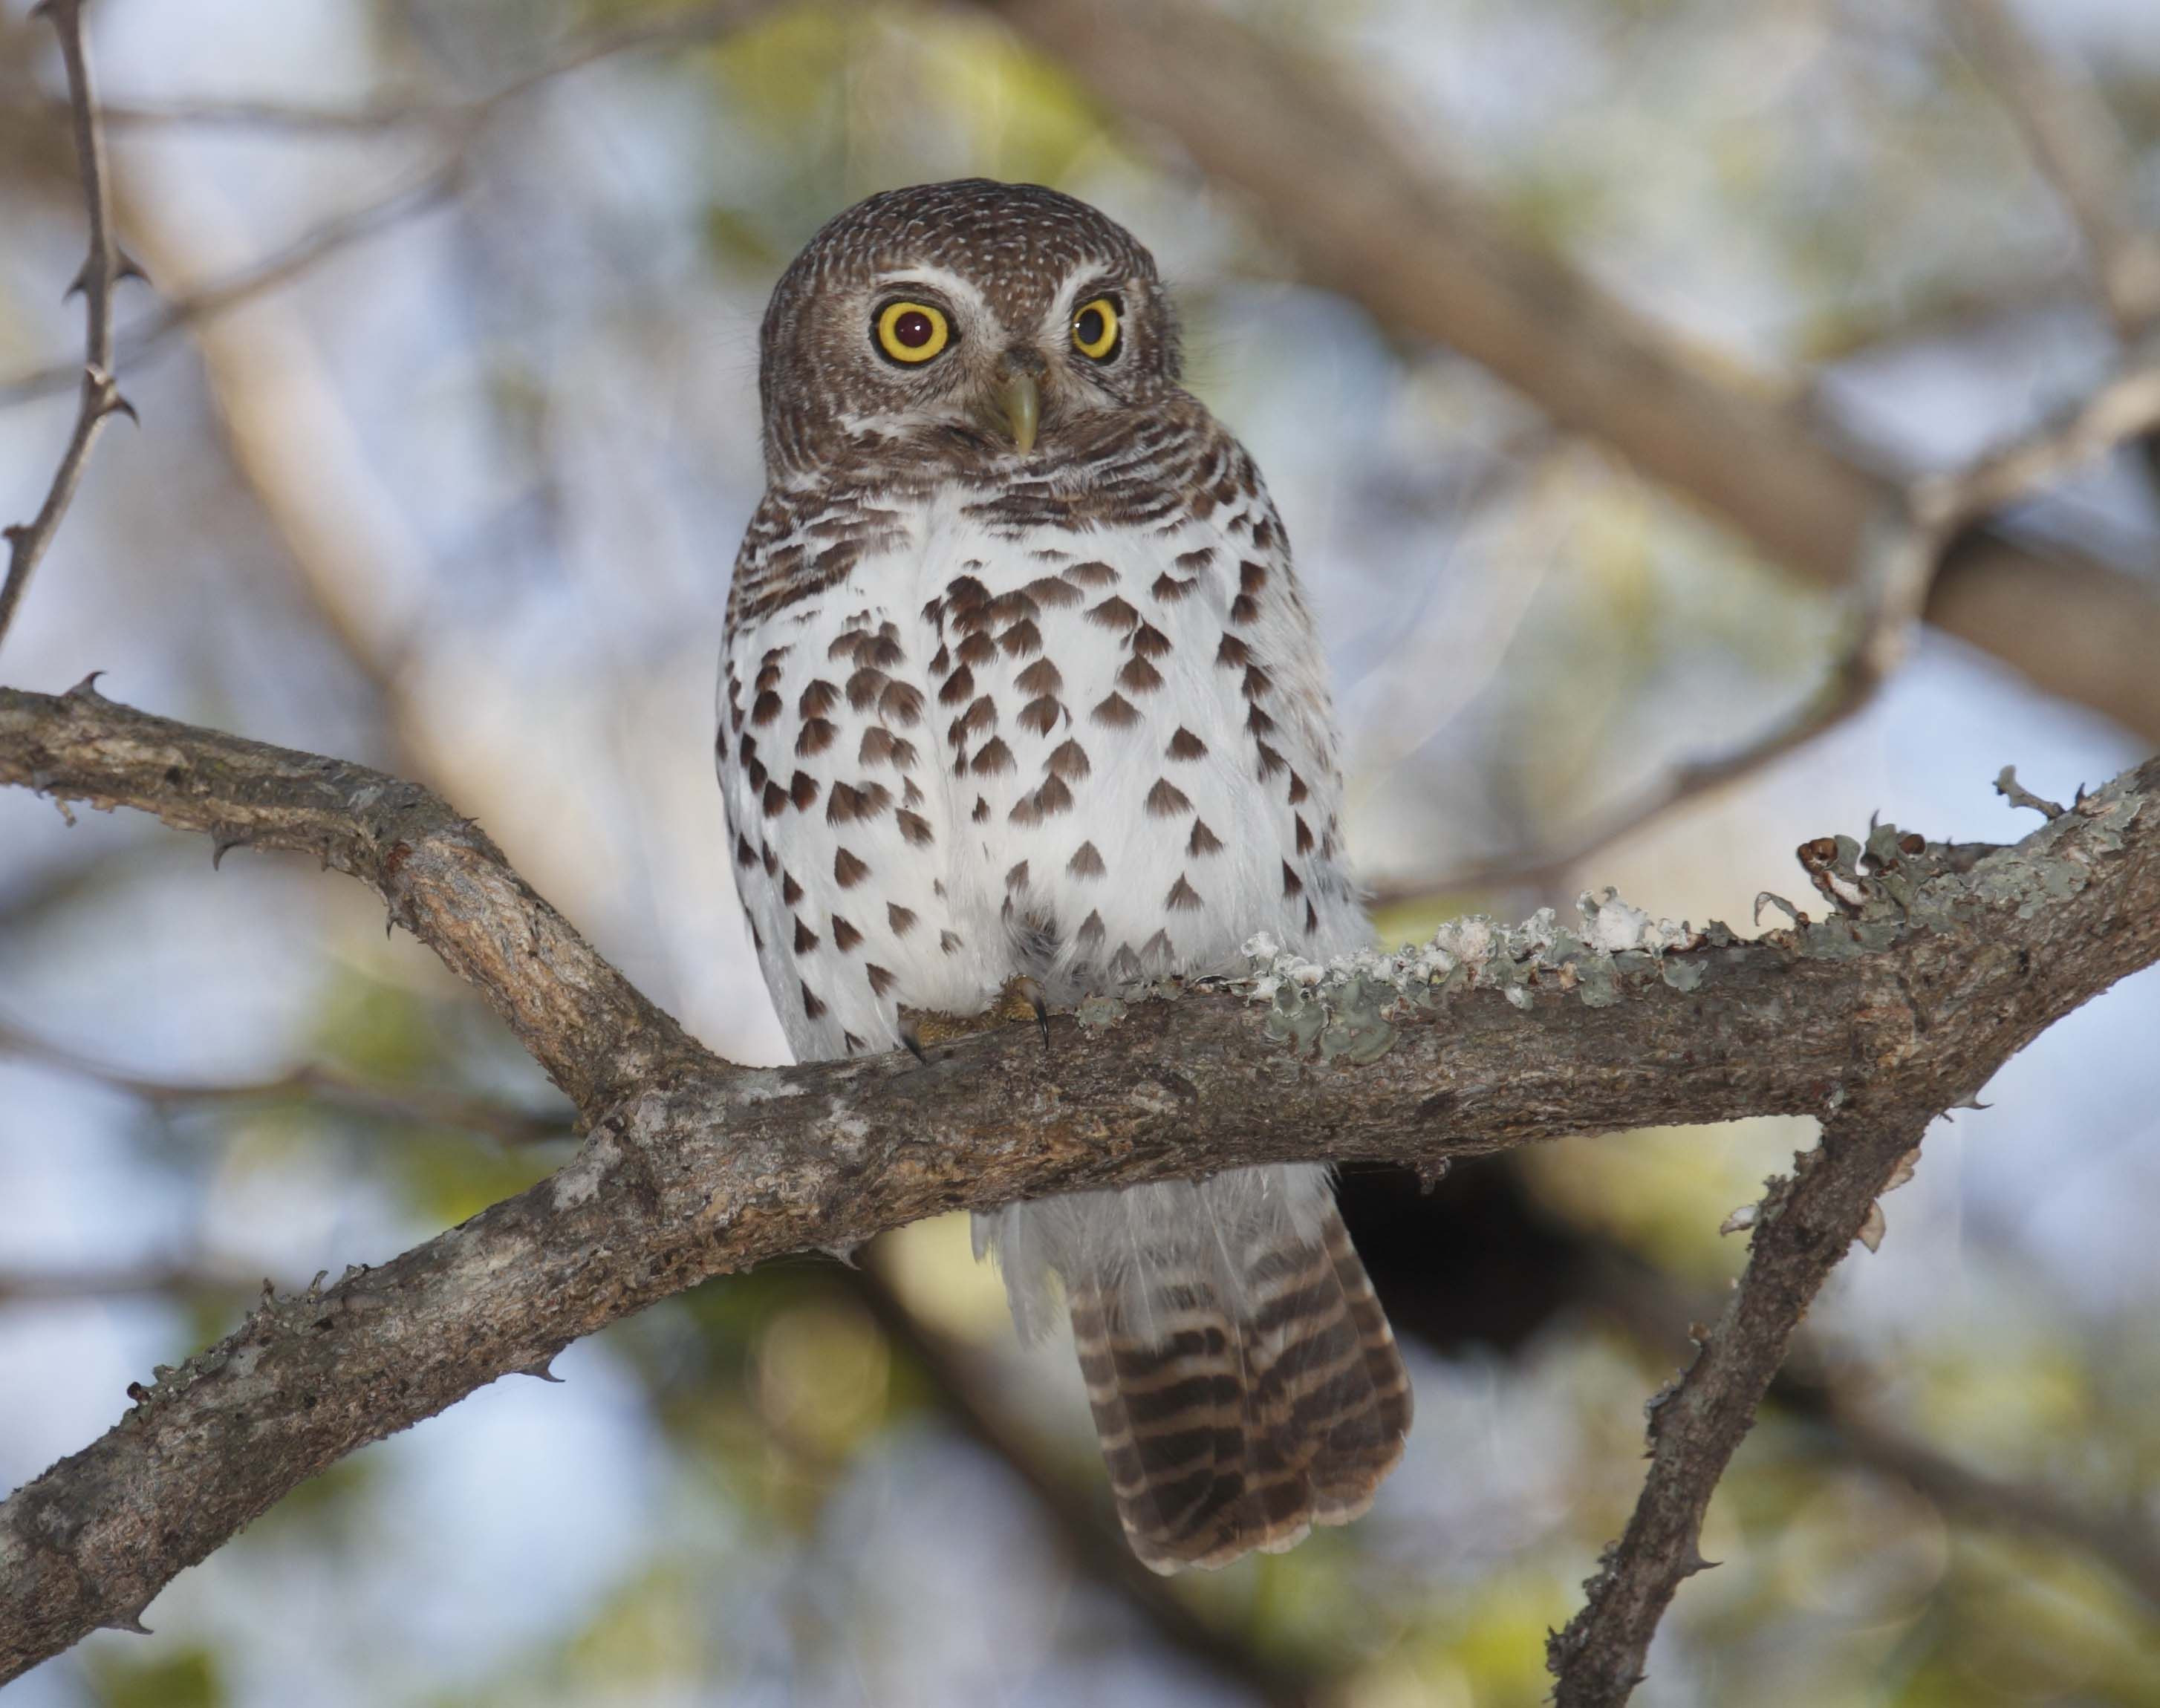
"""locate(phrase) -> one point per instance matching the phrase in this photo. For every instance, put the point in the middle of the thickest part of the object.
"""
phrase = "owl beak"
(1020, 402)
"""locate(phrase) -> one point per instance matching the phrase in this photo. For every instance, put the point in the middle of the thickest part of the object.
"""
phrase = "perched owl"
(1017, 684)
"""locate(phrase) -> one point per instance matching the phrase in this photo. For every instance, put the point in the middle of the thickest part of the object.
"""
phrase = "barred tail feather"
(1245, 1381)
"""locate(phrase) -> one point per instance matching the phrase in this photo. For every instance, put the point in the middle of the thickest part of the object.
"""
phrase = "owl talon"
(909, 1037)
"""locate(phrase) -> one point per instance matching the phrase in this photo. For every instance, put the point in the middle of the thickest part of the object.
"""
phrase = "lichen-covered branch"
(1934, 971)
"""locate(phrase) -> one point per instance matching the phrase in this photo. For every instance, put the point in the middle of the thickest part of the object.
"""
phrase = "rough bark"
(692, 1166)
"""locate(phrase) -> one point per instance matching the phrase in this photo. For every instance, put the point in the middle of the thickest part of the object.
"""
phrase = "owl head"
(969, 322)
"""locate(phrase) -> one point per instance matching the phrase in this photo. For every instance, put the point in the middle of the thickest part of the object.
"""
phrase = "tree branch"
(101, 270)
(692, 1166)
(1330, 170)
(1805, 1225)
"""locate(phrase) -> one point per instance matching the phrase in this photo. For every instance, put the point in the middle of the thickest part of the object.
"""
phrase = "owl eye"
(911, 332)
(1095, 329)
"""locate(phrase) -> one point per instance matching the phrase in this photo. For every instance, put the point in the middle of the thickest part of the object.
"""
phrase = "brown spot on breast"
(775, 797)
(1292, 886)
(958, 686)
(1203, 841)
(1303, 836)
(1270, 761)
(1298, 791)
(880, 980)
(913, 826)
(1233, 653)
(802, 790)
(1047, 802)
(1257, 682)
(817, 734)
(1150, 642)
(1311, 920)
(1252, 577)
(845, 936)
(901, 919)
(765, 707)
(849, 801)
(1243, 608)
(1192, 563)
(864, 685)
(811, 1006)
(853, 1042)
(995, 757)
(745, 855)
(1183, 898)
(1070, 760)
(948, 943)
(982, 714)
(1091, 573)
(1114, 613)
(880, 746)
(746, 749)
(901, 703)
(1115, 709)
(1184, 745)
(791, 892)
(1022, 639)
(848, 871)
(1166, 799)
(1169, 589)
(1040, 714)
(1049, 590)
(981, 815)
(768, 859)
(1086, 862)
(1092, 931)
(979, 648)
(885, 655)
(1139, 677)
(756, 774)
(1039, 678)
(805, 938)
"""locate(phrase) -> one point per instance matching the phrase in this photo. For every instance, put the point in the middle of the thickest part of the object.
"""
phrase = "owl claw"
(909, 1037)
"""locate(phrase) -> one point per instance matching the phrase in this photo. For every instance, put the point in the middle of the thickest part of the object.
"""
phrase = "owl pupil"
(913, 329)
(1092, 326)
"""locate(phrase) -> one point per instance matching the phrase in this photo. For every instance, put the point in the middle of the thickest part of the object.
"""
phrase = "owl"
(1018, 693)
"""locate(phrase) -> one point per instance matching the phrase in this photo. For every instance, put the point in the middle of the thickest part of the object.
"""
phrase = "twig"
(416, 1104)
(101, 270)
(2007, 786)
(459, 124)
(69, 1287)
(1805, 1225)
(1895, 585)
(2076, 143)
(2126, 410)
(410, 196)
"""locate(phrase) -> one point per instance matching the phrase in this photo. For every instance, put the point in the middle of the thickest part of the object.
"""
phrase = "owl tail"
(1245, 1381)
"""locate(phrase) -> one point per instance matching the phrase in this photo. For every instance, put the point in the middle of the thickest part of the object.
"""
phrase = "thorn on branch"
(222, 842)
(2007, 786)
(544, 1371)
(87, 690)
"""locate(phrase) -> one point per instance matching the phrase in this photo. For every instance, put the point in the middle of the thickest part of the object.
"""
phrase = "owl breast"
(1001, 743)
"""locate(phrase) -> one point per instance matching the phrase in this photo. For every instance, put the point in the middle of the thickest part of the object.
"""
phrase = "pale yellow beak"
(1019, 401)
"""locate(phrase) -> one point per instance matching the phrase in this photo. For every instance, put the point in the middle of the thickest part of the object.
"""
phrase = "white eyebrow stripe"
(951, 284)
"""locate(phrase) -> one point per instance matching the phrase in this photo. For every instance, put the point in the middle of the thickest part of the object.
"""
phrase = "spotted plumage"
(1017, 681)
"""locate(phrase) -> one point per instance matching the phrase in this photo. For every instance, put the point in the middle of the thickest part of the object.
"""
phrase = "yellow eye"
(1095, 330)
(911, 332)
